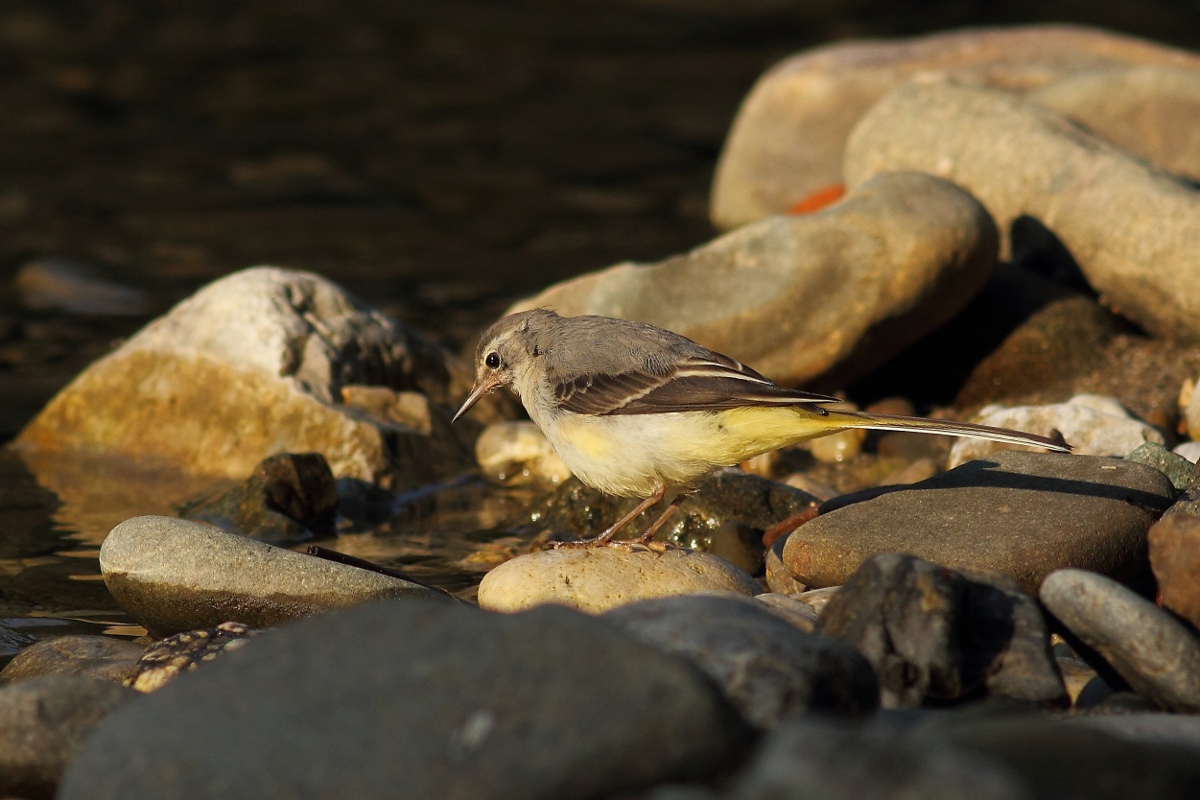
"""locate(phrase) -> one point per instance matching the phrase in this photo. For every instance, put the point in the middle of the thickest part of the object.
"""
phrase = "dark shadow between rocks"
(989, 474)
(1036, 248)
(934, 369)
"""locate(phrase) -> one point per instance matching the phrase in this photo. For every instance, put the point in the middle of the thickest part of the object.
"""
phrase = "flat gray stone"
(172, 575)
(1154, 728)
(1021, 514)
(1157, 655)
(811, 757)
(1061, 759)
(418, 701)
(766, 666)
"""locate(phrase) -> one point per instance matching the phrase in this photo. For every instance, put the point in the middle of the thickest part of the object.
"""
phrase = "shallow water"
(50, 583)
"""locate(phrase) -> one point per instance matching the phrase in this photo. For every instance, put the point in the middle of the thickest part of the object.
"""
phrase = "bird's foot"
(628, 545)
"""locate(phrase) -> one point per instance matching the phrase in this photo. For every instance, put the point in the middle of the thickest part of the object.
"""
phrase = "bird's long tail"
(893, 422)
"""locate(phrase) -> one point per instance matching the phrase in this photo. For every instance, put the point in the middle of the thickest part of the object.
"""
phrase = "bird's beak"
(480, 388)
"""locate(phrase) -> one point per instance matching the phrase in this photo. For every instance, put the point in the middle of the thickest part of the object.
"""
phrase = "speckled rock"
(1177, 468)
(831, 294)
(1157, 655)
(254, 364)
(1092, 425)
(428, 703)
(789, 135)
(1022, 514)
(168, 658)
(90, 656)
(766, 667)
(43, 721)
(173, 575)
(517, 453)
(600, 578)
(1024, 161)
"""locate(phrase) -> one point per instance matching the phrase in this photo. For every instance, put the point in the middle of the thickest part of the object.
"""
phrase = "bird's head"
(505, 351)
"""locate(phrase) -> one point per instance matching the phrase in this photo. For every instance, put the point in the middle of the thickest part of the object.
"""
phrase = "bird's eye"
(492, 360)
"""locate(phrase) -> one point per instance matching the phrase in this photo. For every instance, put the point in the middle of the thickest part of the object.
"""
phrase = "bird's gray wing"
(699, 383)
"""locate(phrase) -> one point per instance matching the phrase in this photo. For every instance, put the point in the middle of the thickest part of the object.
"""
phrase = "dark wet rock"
(167, 658)
(91, 656)
(1057, 758)
(427, 702)
(43, 721)
(791, 131)
(834, 295)
(364, 503)
(818, 758)
(1025, 162)
(765, 666)
(290, 498)
(1177, 468)
(599, 578)
(173, 575)
(1022, 514)
(1156, 654)
(935, 635)
(729, 497)
(257, 363)
(1175, 559)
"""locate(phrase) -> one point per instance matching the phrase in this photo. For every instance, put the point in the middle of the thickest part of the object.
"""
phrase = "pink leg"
(606, 537)
(648, 534)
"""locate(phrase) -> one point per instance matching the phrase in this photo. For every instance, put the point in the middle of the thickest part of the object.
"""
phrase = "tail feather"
(894, 422)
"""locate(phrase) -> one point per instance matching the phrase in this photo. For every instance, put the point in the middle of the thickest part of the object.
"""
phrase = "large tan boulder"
(825, 296)
(261, 362)
(789, 134)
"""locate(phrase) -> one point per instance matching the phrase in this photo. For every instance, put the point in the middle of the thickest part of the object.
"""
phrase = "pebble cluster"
(865, 616)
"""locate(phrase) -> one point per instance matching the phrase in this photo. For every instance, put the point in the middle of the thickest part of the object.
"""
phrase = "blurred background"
(438, 158)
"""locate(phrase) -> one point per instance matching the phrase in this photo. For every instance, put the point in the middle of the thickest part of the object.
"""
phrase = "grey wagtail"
(634, 410)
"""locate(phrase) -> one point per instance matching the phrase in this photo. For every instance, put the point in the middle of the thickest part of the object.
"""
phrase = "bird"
(635, 410)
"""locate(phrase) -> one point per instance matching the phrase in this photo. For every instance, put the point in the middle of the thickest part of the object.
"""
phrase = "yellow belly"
(632, 455)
